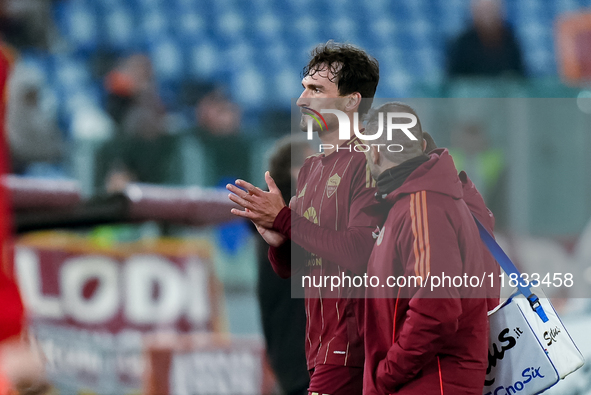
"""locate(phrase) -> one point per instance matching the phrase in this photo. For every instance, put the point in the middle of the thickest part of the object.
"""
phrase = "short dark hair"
(354, 70)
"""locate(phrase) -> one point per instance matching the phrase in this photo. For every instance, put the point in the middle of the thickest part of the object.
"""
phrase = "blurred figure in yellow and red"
(143, 150)
(219, 130)
(20, 368)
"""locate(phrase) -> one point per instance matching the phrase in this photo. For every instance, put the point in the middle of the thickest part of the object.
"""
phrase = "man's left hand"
(262, 206)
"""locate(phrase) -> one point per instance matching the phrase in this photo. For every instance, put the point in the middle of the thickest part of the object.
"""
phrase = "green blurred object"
(109, 235)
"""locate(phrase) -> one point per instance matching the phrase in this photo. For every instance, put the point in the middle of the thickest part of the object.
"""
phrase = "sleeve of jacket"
(281, 259)
(429, 248)
(350, 247)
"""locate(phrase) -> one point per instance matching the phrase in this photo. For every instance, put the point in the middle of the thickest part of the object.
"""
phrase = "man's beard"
(304, 119)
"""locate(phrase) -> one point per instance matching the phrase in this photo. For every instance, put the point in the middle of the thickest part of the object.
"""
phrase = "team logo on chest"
(332, 184)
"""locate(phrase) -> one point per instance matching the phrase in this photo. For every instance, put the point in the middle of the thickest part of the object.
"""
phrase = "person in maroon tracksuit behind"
(478, 208)
(330, 232)
(420, 340)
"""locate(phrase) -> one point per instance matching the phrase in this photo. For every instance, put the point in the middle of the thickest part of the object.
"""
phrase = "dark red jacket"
(418, 341)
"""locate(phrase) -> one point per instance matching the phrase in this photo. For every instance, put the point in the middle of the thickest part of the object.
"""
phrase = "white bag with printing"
(527, 355)
(529, 348)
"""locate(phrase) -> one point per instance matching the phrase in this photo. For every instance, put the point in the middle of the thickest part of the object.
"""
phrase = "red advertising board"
(90, 306)
(205, 364)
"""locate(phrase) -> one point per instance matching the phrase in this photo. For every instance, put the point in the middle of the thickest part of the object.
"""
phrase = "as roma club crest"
(332, 184)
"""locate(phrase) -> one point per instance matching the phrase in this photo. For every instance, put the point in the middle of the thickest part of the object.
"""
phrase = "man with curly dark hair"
(350, 68)
(329, 230)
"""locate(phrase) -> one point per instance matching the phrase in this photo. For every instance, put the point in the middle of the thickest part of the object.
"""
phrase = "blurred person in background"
(284, 317)
(145, 154)
(472, 153)
(36, 143)
(28, 23)
(488, 48)
(143, 151)
(228, 154)
(275, 121)
(20, 368)
(131, 87)
(228, 151)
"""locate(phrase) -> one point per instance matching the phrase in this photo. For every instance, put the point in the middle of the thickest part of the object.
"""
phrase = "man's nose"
(303, 100)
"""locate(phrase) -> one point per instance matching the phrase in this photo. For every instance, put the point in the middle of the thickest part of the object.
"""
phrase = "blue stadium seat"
(287, 85)
(455, 17)
(429, 67)
(151, 4)
(230, 25)
(342, 28)
(273, 56)
(69, 72)
(249, 88)
(167, 59)
(204, 60)
(190, 25)
(154, 25)
(119, 26)
(77, 21)
(305, 28)
(245, 42)
(268, 27)
(239, 56)
(564, 6)
(378, 6)
(394, 84)
(384, 30)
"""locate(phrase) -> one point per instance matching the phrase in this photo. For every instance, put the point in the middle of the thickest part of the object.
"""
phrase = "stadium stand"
(244, 44)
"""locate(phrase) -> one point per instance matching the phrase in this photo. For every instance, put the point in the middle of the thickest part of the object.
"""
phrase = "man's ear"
(424, 145)
(353, 102)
